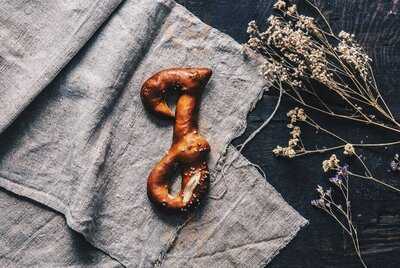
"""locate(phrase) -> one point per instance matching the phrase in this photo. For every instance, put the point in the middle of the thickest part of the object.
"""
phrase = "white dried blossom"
(320, 189)
(324, 197)
(282, 35)
(330, 164)
(395, 163)
(280, 4)
(274, 20)
(296, 132)
(306, 23)
(353, 54)
(318, 66)
(296, 114)
(292, 10)
(274, 71)
(254, 43)
(345, 36)
(284, 151)
(319, 203)
(349, 149)
(296, 45)
(293, 142)
(290, 152)
(252, 28)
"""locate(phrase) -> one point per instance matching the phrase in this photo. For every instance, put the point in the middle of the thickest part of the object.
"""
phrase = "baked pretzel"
(189, 150)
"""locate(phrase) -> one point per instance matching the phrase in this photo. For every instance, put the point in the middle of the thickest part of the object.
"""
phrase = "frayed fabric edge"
(286, 241)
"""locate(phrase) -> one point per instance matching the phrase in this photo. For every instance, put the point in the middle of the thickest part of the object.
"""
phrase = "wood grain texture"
(376, 24)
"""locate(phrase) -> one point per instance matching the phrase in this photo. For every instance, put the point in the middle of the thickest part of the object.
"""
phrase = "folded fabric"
(85, 145)
(37, 39)
(249, 229)
(32, 235)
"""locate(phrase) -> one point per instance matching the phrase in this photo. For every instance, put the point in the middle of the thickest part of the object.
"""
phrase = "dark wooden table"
(376, 23)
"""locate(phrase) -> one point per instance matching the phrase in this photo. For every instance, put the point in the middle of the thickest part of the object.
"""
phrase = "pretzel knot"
(189, 150)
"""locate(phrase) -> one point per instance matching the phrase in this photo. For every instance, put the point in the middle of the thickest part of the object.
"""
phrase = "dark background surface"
(376, 210)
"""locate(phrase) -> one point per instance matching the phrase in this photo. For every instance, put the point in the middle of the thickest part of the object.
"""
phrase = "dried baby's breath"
(295, 115)
(299, 51)
(312, 65)
(280, 5)
(353, 54)
(284, 151)
(349, 149)
(330, 164)
(296, 132)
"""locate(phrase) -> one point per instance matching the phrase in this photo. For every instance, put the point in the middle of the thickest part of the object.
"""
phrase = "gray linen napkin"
(249, 230)
(32, 235)
(84, 146)
(245, 228)
(37, 38)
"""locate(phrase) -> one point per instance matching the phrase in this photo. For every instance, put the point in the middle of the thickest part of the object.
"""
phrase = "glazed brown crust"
(189, 150)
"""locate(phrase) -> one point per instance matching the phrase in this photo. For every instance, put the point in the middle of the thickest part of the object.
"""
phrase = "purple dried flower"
(343, 171)
(336, 180)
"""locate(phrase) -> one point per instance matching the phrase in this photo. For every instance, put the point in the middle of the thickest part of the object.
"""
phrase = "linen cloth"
(37, 39)
(248, 232)
(32, 235)
(84, 146)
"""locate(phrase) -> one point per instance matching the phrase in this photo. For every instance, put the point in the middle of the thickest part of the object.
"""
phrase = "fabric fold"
(85, 145)
(249, 226)
(32, 235)
(38, 38)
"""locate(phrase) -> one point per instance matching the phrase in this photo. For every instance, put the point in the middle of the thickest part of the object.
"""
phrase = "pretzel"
(189, 150)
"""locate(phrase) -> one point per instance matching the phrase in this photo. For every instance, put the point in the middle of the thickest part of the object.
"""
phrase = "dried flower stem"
(340, 116)
(299, 54)
(341, 215)
(301, 150)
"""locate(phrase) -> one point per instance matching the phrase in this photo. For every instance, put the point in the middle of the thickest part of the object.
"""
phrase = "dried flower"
(296, 114)
(353, 54)
(330, 164)
(341, 214)
(319, 203)
(292, 10)
(349, 149)
(296, 132)
(274, 71)
(284, 151)
(299, 53)
(343, 171)
(306, 23)
(341, 174)
(293, 142)
(395, 163)
(323, 193)
(336, 180)
(280, 4)
(252, 28)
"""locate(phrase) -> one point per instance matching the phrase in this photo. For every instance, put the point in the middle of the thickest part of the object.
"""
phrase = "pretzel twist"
(189, 150)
